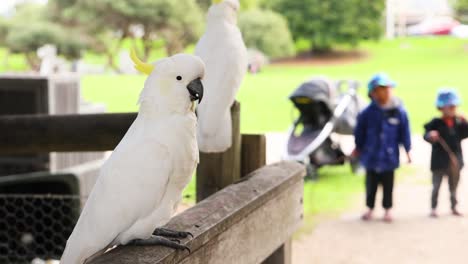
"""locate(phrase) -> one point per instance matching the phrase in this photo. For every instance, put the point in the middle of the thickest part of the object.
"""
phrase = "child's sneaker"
(388, 217)
(455, 212)
(434, 214)
(367, 216)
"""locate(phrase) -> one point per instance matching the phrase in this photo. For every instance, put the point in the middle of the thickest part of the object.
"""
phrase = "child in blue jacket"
(381, 128)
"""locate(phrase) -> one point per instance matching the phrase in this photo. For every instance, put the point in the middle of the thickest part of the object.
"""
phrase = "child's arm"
(463, 128)
(431, 134)
(405, 134)
(359, 134)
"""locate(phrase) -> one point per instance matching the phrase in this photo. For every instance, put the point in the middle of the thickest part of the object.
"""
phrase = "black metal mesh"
(35, 226)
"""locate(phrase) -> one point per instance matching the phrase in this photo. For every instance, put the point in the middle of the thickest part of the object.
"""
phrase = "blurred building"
(404, 13)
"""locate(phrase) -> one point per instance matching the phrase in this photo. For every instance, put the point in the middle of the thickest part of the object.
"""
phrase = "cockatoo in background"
(141, 183)
(225, 55)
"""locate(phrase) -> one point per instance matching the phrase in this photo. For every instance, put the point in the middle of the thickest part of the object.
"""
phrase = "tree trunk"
(172, 49)
(321, 50)
(111, 55)
(33, 61)
(5, 61)
(111, 62)
(147, 49)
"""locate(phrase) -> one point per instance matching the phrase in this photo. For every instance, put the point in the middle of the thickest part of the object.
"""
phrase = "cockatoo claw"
(164, 232)
(159, 241)
(175, 240)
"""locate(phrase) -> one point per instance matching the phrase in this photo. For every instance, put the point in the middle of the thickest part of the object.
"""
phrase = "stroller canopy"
(314, 100)
(318, 90)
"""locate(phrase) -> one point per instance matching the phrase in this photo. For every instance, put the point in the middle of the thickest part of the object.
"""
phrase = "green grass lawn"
(419, 65)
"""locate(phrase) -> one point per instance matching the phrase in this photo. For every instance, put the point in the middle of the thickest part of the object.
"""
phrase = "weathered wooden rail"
(22, 134)
(243, 223)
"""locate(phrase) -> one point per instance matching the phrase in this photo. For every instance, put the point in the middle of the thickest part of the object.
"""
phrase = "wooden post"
(218, 170)
(254, 157)
(253, 154)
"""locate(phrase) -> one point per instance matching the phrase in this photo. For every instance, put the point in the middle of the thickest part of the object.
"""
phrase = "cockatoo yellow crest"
(142, 67)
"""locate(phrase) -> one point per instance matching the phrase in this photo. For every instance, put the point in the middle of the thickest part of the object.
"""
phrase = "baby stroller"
(325, 107)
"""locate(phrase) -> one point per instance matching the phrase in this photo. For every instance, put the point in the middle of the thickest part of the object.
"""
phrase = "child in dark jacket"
(448, 130)
(381, 128)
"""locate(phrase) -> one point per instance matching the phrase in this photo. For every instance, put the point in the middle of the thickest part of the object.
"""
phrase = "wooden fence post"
(254, 157)
(218, 170)
(253, 153)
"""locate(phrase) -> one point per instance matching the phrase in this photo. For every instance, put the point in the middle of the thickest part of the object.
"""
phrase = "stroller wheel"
(312, 172)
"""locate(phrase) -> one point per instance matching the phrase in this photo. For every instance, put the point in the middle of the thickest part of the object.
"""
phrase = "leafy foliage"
(461, 8)
(29, 30)
(177, 23)
(266, 31)
(326, 23)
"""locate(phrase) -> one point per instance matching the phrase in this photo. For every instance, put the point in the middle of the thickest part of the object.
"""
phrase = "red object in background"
(434, 26)
(445, 29)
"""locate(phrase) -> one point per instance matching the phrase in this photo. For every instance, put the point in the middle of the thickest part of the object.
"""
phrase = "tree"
(461, 8)
(326, 23)
(178, 23)
(204, 4)
(266, 31)
(3, 30)
(28, 30)
(4, 27)
(28, 39)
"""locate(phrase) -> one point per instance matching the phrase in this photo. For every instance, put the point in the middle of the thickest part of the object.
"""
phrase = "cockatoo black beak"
(195, 89)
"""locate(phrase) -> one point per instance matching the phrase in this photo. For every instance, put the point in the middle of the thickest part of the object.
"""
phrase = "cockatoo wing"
(128, 189)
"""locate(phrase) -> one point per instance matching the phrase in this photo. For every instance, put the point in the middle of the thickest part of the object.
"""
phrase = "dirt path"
(412, 238)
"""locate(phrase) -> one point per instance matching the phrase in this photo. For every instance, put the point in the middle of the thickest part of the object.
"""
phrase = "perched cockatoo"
(225, 55)
(141, 183)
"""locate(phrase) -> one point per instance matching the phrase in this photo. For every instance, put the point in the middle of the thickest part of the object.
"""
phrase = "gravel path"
(412, 238)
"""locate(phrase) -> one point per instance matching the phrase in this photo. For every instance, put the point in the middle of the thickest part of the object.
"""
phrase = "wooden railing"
(247, 212)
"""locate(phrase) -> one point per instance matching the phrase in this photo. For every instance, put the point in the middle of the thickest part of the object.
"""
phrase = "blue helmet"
(447, 97)
(380, 79)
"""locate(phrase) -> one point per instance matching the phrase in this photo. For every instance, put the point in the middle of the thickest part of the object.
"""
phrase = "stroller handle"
(352, 85)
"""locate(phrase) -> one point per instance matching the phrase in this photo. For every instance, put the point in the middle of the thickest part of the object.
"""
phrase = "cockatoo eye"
(179, 78)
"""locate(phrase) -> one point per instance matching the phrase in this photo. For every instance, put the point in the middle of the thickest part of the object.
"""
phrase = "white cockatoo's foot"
(164, 232)
(159, 241)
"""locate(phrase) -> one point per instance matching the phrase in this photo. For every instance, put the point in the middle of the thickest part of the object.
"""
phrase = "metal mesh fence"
(35, 226)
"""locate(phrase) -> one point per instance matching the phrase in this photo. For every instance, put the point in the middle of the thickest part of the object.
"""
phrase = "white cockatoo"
(141, 183)
(225, 55)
